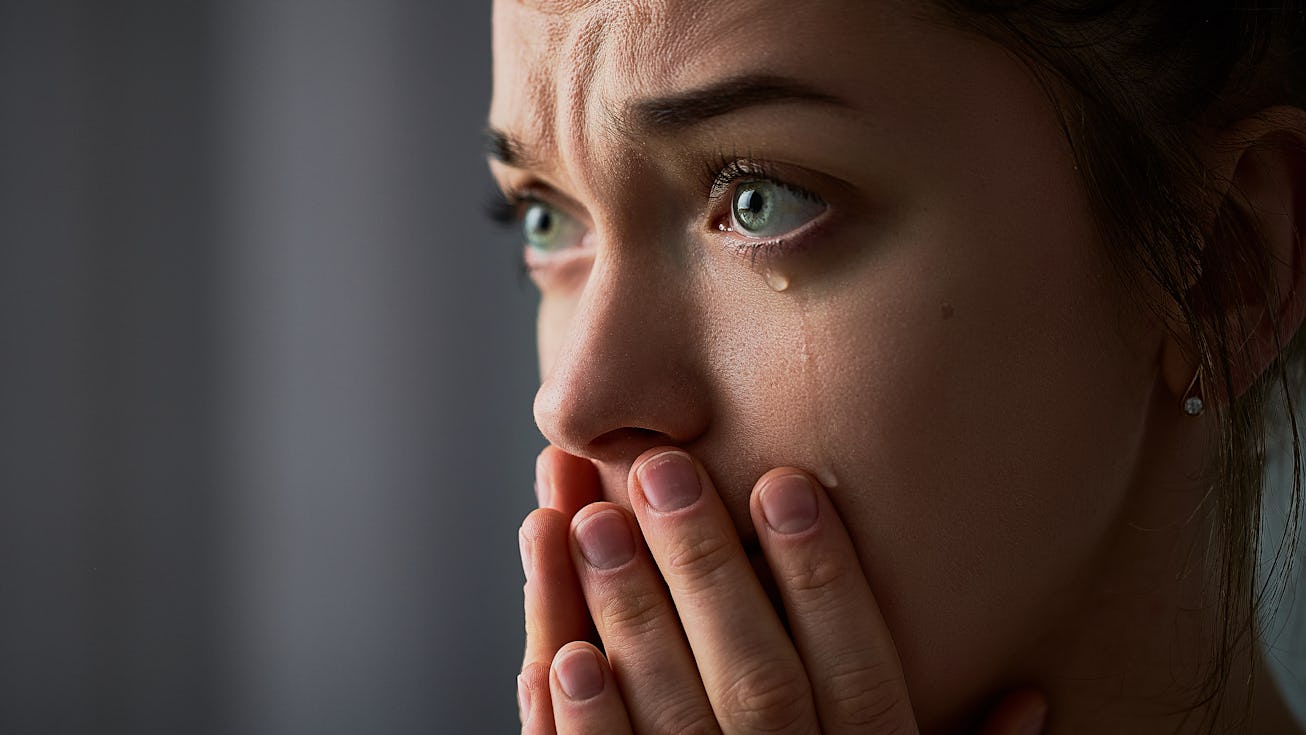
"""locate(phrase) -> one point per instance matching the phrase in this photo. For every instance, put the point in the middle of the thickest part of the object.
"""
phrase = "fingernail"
(524, 544)
(543, 492)
(669, 481)
(605, 540)
(523, 700)
(788, 504)
(579, 674)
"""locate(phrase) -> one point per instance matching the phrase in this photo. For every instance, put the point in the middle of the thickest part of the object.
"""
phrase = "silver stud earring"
(1193, 404)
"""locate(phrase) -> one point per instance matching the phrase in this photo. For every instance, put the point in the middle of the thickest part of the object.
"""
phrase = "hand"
(692, 642)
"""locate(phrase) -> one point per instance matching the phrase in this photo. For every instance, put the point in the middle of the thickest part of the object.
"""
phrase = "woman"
(903, 363)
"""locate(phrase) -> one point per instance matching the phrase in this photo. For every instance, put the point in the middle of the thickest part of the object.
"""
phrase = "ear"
(1262, 162)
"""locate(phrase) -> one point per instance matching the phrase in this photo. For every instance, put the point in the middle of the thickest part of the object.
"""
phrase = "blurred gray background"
(265, 371)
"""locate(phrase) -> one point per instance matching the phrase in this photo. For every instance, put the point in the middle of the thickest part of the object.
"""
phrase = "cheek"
(999, 444)
(978, 403)
(552, 325)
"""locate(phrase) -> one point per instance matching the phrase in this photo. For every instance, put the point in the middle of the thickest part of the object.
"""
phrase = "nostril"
(626, 443)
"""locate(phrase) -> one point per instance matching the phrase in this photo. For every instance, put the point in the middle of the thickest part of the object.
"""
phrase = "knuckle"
(698, 556)
(772, 697)
(869, 696)
(632, 612)
(815, 575)
(691, 717)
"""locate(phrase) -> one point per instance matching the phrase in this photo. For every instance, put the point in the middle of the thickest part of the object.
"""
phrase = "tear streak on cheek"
(820, 426)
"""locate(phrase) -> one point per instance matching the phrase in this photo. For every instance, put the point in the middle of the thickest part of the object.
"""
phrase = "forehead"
(561, 67)
(565, 57)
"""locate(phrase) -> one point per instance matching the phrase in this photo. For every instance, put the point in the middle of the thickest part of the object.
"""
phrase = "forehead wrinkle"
(541, 112)
(578, 77)
(557, 7)
(524, 100)
(582, 110)
(583, 62)
(645, 51)
(664, 39)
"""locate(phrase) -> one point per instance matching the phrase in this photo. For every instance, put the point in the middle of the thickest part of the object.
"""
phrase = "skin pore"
(927, 323)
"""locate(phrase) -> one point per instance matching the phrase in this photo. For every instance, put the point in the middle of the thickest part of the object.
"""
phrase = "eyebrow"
(687, 109)
(502, 146)
(677, 112)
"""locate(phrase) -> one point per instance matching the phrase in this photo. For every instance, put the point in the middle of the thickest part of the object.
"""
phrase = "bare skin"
(922, 326)
(834, 670)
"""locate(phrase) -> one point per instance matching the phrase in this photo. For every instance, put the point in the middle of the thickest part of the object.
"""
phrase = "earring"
(1193, 404)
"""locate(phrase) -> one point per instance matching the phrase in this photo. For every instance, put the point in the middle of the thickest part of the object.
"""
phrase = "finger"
(1023, 712)
(585, 696)
(752, 674)
(856, 677)
(534, 700)
(565, 482)
(639, 627)
(555, 607)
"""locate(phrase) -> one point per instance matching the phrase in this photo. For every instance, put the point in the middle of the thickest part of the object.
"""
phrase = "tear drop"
(777, 281)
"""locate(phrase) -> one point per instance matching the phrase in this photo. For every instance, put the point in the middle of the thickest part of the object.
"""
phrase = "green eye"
(548, 229)
(769, 209)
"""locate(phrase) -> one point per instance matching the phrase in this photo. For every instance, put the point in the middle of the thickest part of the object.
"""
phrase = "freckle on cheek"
(947, 311)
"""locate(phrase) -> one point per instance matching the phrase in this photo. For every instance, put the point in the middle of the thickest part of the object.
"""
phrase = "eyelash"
(505, 208)
(725, 170)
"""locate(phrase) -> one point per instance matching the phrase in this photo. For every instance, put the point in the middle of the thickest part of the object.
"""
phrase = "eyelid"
(547, 268)
(728, 170)
(517, 196)
(731, 171)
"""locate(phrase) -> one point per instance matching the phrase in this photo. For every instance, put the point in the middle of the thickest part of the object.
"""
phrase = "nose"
(628, 373)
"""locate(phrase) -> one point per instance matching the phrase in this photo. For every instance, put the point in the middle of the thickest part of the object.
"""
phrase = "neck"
(1151, 646)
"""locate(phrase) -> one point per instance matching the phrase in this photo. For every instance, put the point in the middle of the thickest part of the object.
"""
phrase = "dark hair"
(1136, 82)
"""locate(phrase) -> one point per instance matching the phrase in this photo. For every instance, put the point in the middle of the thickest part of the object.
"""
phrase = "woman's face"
(842, 237)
